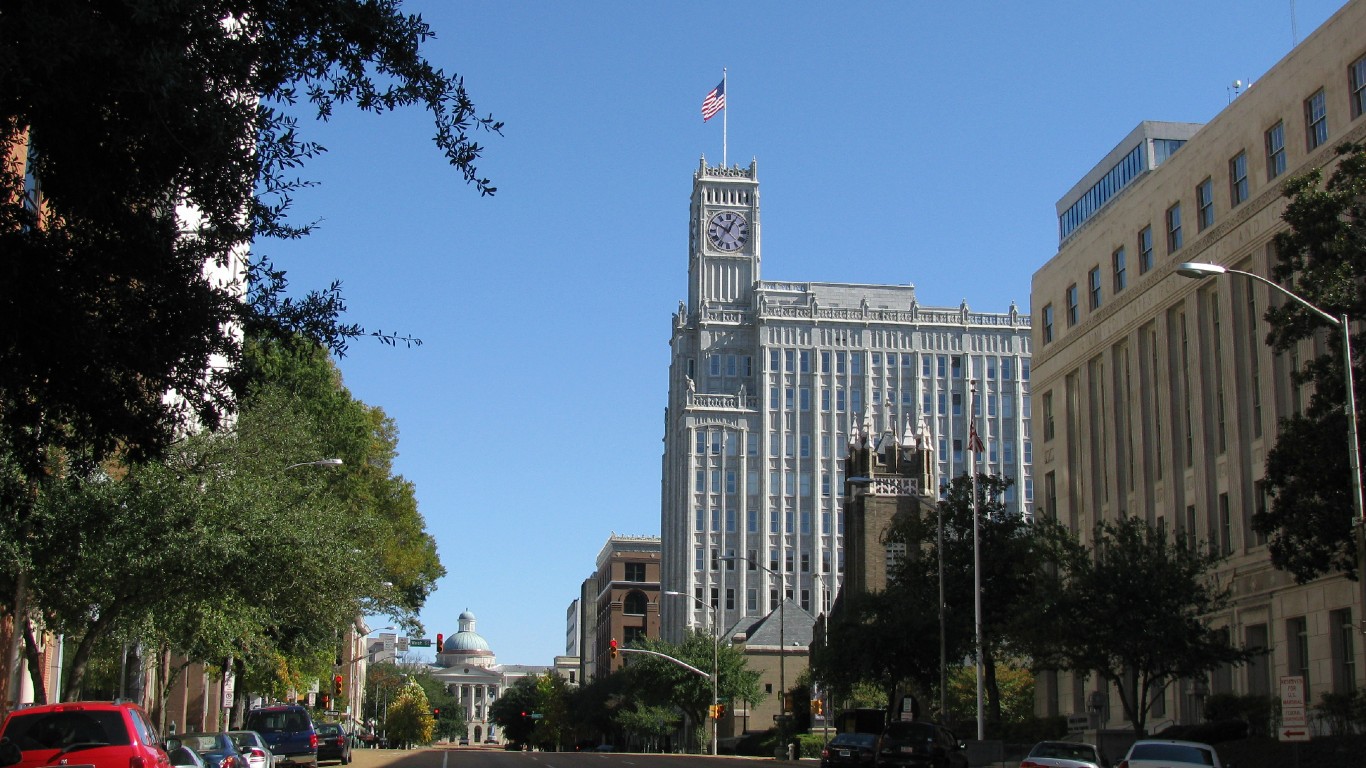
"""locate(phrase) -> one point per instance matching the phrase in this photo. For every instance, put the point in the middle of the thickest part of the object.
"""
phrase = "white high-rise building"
(766, 379)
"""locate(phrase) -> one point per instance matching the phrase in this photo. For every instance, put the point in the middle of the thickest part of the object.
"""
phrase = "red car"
(104, 734)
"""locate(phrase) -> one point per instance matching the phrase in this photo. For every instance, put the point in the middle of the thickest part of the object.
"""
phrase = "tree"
(888, 639)
(657, 681)
(1321, 257)
(152, 140)
(1133, 609)
(410, 718)
(646, 724)
(513, 709)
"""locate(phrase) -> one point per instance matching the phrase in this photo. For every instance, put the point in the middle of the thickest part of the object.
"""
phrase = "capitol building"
(467, 667)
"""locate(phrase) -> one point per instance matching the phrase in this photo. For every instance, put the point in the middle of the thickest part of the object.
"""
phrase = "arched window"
(635, 603)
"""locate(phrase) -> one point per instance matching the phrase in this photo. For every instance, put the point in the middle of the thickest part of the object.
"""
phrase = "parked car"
(103, 734)
(334, 743)
(288, 731)
(1064, 754)
(254, 748)
(918, 744)
(184, 757)
(217, 749)
(1166, 753)
(850, 749)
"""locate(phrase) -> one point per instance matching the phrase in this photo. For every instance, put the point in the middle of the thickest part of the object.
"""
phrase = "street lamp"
(782, 628)
(318, 463)
(1200, 270)
(715, 656)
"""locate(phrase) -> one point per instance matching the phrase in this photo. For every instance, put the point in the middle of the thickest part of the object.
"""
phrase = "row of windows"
(1316, 135)
(752, 560)
(752, 600)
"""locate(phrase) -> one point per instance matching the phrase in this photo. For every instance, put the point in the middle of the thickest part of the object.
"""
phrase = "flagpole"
(976, 556)
(725, 115)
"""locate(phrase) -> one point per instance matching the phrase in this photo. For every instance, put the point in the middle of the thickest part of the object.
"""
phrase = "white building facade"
(766, 380)
(1157, 395)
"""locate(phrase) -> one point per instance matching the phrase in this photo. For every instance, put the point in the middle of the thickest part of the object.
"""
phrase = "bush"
(1256, 711)
(1343, 713)
(811, 744)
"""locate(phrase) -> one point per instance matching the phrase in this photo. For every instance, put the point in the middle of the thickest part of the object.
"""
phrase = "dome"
(465, 642)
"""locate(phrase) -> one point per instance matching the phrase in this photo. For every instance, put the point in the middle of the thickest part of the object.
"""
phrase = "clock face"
(728, 231)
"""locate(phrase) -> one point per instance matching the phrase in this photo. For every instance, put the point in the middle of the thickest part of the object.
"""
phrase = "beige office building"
(1156, 396)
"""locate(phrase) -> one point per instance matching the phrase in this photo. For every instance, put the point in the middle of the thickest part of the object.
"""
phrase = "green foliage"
(646, 724)
(1154, 596)
(1016, 685)
(1344, 712)
(809, 745)
(1256, 711)
(410, 717)
(657, 681)
(1322, 258)
(511, 711)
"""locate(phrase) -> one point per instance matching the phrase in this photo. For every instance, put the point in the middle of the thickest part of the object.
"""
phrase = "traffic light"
(711, 711)
(439, 638)
(720, 711)
(612, 647)
(436, 712)
(336, 685)
(326, 701)
(817, 707)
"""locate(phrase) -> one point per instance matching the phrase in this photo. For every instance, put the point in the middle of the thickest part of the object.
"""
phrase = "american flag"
(974, 440)
(715, 101)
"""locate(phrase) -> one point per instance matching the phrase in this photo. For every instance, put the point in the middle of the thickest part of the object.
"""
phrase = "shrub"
(1256, 711)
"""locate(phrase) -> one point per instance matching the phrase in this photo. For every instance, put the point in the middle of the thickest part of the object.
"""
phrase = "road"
(467, 757)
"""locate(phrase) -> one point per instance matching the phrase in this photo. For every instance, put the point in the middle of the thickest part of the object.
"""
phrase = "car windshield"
(328, 729)
(64, 728)
(245, 738)
(911, 731)
(854, 740)
(200, 742)
(1065, 751)
(283, 720)
(1181, 753)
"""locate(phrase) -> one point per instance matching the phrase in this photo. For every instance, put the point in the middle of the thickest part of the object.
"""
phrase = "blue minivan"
(289, 732)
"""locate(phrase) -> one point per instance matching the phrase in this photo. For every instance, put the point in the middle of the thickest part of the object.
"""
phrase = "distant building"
(627, 601)
(768, 379)
(1157, 397)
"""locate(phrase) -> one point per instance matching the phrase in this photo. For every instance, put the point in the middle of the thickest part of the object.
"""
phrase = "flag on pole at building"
(715, 101)
(974, 440)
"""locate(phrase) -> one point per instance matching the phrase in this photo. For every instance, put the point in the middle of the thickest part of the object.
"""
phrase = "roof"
(759, 631)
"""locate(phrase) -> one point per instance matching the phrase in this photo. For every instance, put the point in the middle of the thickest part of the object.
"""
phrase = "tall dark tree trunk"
(35, 664)
(80, 660)
(992, 689)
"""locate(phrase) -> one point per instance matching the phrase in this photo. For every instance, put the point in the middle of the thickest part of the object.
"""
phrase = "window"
(1145, 250)
(1357, 77)
(1071, 305)
(1204, 204)
(1121, 271)
(1047, 323)
(1343, 649)
(1237, 178)
(635, 571)
(1048, 416)
(1316, 120)
(1174, 228)
(1275, 151)
(634, 604)
(1297, 640)
(1093, 288)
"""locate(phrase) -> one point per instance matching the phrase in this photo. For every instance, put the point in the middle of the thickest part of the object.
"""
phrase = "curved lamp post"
(715, 656)
(1200, 270)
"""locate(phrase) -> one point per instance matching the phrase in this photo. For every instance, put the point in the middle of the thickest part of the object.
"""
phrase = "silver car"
(1064, 754)
(1166, 753)
(253, 746)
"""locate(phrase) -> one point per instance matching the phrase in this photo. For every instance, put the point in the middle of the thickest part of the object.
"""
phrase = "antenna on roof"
(1234, 89)
(1294, 26)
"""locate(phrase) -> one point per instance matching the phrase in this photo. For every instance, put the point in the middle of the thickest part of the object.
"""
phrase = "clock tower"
(723, 238)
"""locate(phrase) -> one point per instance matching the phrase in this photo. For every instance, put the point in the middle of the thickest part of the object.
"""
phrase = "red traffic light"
(612, 648)
(439, 638)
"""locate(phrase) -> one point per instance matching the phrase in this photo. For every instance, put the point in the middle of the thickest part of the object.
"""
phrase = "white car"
(1165, 753)
(1064, 754)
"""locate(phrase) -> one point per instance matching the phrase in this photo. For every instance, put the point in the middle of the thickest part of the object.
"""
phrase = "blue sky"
(897, 142)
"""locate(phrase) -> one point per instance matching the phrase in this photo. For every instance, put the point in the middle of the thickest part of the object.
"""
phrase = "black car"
(334, 743)
(918, 744)
(850, 749)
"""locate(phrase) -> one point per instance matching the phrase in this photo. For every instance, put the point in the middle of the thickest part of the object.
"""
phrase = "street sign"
(403, 645)
(420, 642)
(1294, 722)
